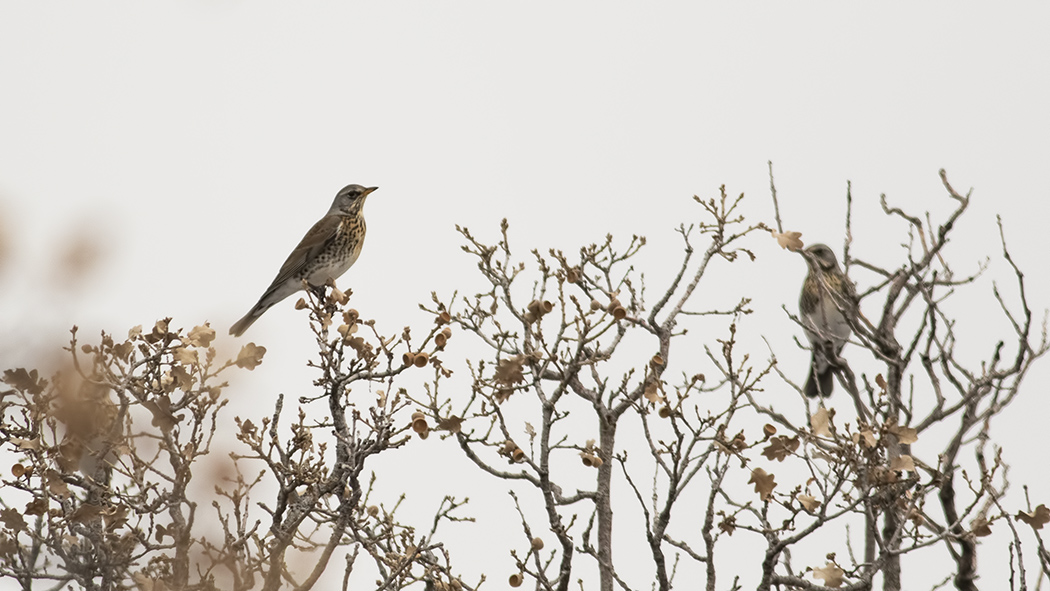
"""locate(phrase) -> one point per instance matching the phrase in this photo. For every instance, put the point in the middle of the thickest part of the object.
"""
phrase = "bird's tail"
(249, 319)
(819, 383)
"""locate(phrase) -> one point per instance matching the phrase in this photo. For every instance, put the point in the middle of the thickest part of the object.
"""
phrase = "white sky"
(197, 141)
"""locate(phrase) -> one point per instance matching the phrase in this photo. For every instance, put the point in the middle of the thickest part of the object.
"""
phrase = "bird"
(828, 304)
(327, 250)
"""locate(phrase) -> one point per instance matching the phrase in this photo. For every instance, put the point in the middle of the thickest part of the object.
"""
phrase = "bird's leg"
(318, 291)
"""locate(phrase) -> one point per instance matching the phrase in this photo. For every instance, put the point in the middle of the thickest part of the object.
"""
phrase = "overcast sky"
(191, 144)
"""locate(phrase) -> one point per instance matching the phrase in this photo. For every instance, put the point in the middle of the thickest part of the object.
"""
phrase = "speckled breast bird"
(330, 248)
(828, 304)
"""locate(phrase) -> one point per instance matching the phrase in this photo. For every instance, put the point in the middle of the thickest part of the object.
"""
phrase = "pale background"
(184, 148)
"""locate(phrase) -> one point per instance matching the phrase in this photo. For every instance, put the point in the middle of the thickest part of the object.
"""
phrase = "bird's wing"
(312, 243)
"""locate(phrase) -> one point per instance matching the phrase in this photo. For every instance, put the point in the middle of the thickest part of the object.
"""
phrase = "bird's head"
(823, 256)
(350, 199)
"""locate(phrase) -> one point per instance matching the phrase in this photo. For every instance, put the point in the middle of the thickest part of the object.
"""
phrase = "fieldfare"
(330, 248)
(828, 304)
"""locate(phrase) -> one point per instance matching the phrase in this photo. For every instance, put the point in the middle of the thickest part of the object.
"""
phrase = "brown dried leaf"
(27, 381)
(250, 357)
(451, 424)
(163, 418)
(26, 444)
(652, 393)
(1037, 519)
(832, 575)
(338, 296)
(728, 524)
(86, 513)
(184, 356)
(881, 382)
(780, 447)
(820, 422)
(866, 436)
(36, 507)
(763, 482)
(810, 504)
(789, 240)
(161, 328)
(123, 350)
(980, 527)
(56, 485)
(12, 519)
(201, 336)
(903, 463)
(905, 435)
(116, 517)
(509, 371)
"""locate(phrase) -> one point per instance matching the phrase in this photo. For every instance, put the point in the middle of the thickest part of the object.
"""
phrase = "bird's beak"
(369, 190)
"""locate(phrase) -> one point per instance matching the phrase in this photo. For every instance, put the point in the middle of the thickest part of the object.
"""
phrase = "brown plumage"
(828, 304)
(330, 248)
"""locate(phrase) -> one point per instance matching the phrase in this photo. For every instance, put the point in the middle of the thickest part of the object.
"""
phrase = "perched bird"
(828, 304)
(330, 247)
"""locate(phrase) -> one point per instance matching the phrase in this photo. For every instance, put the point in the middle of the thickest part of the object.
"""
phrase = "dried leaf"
(184, 356)
(123, 350)
(763, 482)
(116, 517)
(1037, 519)
(36, 507)
(12, 519)
(780, 447)
(980, 527)
(509, 371)
(903, 463)
(201, 336)
(27, 381)
(728, 524)
(160, 329)
(56, 485)
(810, 504)
(338, 296)
(451, 424)
(652, 393)
(820, 422)
(865, 436)
(26, 444)
(86, 513)
(905, 435)
(182, 378)
(832, 575)
(163, 418)
(503, 394)
(789, 240)
(251, 356)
